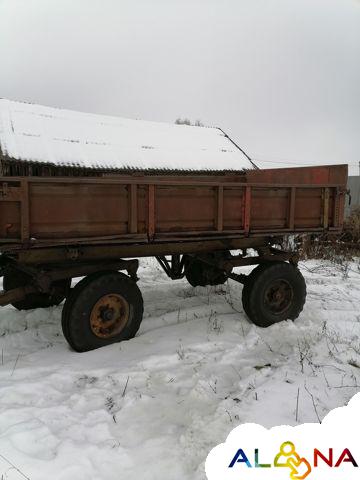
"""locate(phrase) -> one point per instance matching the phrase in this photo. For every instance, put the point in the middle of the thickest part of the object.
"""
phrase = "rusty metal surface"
(109, 315)
(43, 280)
(92, 253)
(16, 294)
(143, 210)
(46, 278)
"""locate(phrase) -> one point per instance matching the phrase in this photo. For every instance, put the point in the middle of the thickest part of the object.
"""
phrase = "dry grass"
(333, 247)
(352, 227)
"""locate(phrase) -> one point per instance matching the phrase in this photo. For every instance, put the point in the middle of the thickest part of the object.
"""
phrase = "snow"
(37, 133)
(154, 406)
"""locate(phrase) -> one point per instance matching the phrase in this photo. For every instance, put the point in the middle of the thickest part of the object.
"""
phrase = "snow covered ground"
(153, 407)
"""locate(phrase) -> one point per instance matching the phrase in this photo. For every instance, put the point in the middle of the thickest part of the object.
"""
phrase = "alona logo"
(326, 451)
(287, 457)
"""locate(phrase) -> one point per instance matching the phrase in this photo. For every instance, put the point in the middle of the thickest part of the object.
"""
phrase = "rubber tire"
(248, 285)
(262, 277)
(70, 299)
(195, 274)
(76, 312)
(14, 279)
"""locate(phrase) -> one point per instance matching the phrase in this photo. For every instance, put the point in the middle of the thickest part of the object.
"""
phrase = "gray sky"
(281, 76)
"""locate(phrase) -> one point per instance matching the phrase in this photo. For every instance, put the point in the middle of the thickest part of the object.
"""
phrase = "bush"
(352, 227)
(345, 245)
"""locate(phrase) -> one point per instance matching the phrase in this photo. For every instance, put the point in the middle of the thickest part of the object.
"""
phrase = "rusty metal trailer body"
(37, 212)
(53, 229)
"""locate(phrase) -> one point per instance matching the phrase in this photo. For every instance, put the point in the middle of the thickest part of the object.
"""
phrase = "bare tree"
(187, 121)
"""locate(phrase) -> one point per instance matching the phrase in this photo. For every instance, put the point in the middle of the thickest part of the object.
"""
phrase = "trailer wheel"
(103, 308)
(15, 279)
(200, 274)
(276, 292)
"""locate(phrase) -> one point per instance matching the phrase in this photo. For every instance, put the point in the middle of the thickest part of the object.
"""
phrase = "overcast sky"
(281, 76)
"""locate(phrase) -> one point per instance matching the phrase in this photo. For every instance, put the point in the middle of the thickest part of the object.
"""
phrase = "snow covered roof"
(38, 134)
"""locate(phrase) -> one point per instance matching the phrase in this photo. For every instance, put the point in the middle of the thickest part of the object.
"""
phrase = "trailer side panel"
(149, 209)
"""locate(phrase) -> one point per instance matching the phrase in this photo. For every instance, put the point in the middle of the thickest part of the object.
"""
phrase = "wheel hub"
(109, 315)
(278, 296)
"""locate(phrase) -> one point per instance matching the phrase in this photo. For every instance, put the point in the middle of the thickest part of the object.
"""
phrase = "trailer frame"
(54, 229)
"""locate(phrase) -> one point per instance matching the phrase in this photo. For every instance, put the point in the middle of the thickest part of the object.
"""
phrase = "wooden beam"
(133, 208)
(326, 208)
(220, 209)
(247, 209)
(291, 222)
(151, 211)
(25, 212)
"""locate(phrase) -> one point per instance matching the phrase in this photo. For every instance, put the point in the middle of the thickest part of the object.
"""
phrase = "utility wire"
(239, 148)
(274, 161)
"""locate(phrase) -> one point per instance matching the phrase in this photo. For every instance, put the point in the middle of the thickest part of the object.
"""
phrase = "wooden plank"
(169, 182)
(220, 209)
(292, 204)
(10, 193)
(25, 212)
(92, 209)
(151, 211)
(133, 208)
(326, 208)
(247, 209)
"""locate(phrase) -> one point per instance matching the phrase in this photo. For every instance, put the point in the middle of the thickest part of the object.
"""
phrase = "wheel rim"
(109, 315)
(278, 297)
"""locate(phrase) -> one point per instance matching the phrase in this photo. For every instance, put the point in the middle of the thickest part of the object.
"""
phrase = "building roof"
(38, 134)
